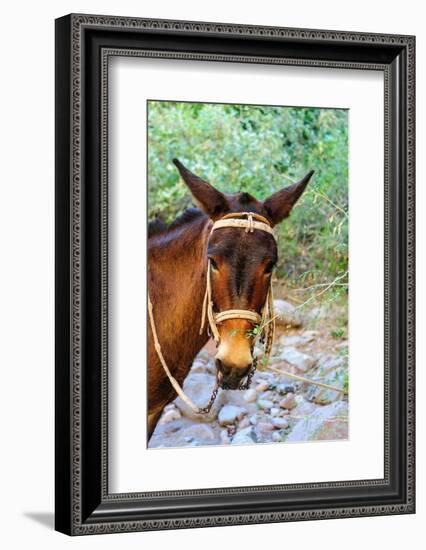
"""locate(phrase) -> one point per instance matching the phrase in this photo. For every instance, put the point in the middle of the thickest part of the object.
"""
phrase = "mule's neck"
(177, 268)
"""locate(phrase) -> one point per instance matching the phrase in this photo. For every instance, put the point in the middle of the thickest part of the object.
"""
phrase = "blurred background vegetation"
(260, 149)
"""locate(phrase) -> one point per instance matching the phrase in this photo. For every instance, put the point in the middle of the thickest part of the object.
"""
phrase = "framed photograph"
(234, 274)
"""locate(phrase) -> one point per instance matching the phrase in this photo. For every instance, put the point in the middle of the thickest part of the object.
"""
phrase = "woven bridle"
(263, 323)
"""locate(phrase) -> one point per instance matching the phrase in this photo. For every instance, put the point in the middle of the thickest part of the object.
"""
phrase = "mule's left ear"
(209, 199)
(279, 205)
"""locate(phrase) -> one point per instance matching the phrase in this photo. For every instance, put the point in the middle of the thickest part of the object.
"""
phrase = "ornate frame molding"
(73, 504)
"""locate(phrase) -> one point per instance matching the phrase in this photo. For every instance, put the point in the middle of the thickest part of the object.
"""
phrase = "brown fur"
(177, 259)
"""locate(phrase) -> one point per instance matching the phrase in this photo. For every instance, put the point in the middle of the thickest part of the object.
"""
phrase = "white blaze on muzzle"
(265, 321)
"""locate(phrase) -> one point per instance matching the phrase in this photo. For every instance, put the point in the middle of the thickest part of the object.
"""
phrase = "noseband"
(264, 321)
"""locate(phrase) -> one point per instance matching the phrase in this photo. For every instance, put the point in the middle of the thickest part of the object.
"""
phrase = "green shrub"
(260, 149)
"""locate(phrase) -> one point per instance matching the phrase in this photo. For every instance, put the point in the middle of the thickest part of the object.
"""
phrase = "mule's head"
(241, 265)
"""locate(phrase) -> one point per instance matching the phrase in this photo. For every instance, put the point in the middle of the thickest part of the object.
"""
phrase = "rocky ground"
(276, 408)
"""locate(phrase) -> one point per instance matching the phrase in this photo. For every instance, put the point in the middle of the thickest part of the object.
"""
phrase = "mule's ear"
(279, 205)
(209, 199)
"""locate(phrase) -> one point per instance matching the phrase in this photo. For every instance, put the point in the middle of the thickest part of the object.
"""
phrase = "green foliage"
(261, 149)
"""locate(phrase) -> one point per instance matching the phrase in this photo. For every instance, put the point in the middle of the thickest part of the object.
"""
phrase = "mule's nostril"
(245, 371)
(225, 370)
(231, 375)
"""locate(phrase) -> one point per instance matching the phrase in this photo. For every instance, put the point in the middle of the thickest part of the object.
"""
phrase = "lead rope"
(173, 381)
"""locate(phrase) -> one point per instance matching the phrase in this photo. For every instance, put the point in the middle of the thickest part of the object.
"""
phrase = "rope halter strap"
(251, 222)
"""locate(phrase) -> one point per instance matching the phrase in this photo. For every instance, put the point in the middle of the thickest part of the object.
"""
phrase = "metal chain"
(207, 408)
(250, 375)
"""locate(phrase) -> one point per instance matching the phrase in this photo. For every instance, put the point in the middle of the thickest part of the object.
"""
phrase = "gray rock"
(267, 395)
(262, 386)
(200, 364)
(285, 388)
(297, 359)
(277, 437)
(164, 431)
(329, 364)
(263, 430)
(253, 419)
(170, 415)
(244, 437)
(294, 340)
(328, 423)
(265, 403)
(202, 433)
(280, 423)
(230, 414)
(250, 395)
(287, 314)
(243, 423)
(199, 387)
(323, 396)
(289, 402)
(332, 375)
(224, 437)
(184, 433)
(303, 407)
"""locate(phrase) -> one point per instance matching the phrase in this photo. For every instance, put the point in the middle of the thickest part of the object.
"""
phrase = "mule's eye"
(213, 264)
(269, 267)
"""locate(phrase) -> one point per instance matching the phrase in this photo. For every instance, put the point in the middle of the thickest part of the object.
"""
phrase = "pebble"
(285, 388)
(200, 432)
(250, 395)
(244, 437)
(199, 366)
(275, 411)
(262, 386)
(281, 423)
(277, 437)
(296, 358)
(224, 438)
(265, 403)
(253, 419)
(264, 432)
(170, 415)
(229, 414)
(289, 402)
(328, 365)
(267, 395)
(264, 426)
(244, 423)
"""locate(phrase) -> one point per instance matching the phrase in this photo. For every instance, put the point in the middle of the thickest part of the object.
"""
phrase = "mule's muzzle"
(231, 378)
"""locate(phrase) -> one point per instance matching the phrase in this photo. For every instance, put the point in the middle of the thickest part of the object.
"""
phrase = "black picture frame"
(83, 46)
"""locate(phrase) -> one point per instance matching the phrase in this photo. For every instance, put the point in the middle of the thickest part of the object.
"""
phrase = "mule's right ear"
(209, 199)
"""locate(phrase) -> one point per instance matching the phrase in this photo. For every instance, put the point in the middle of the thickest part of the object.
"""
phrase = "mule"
(241, 265)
